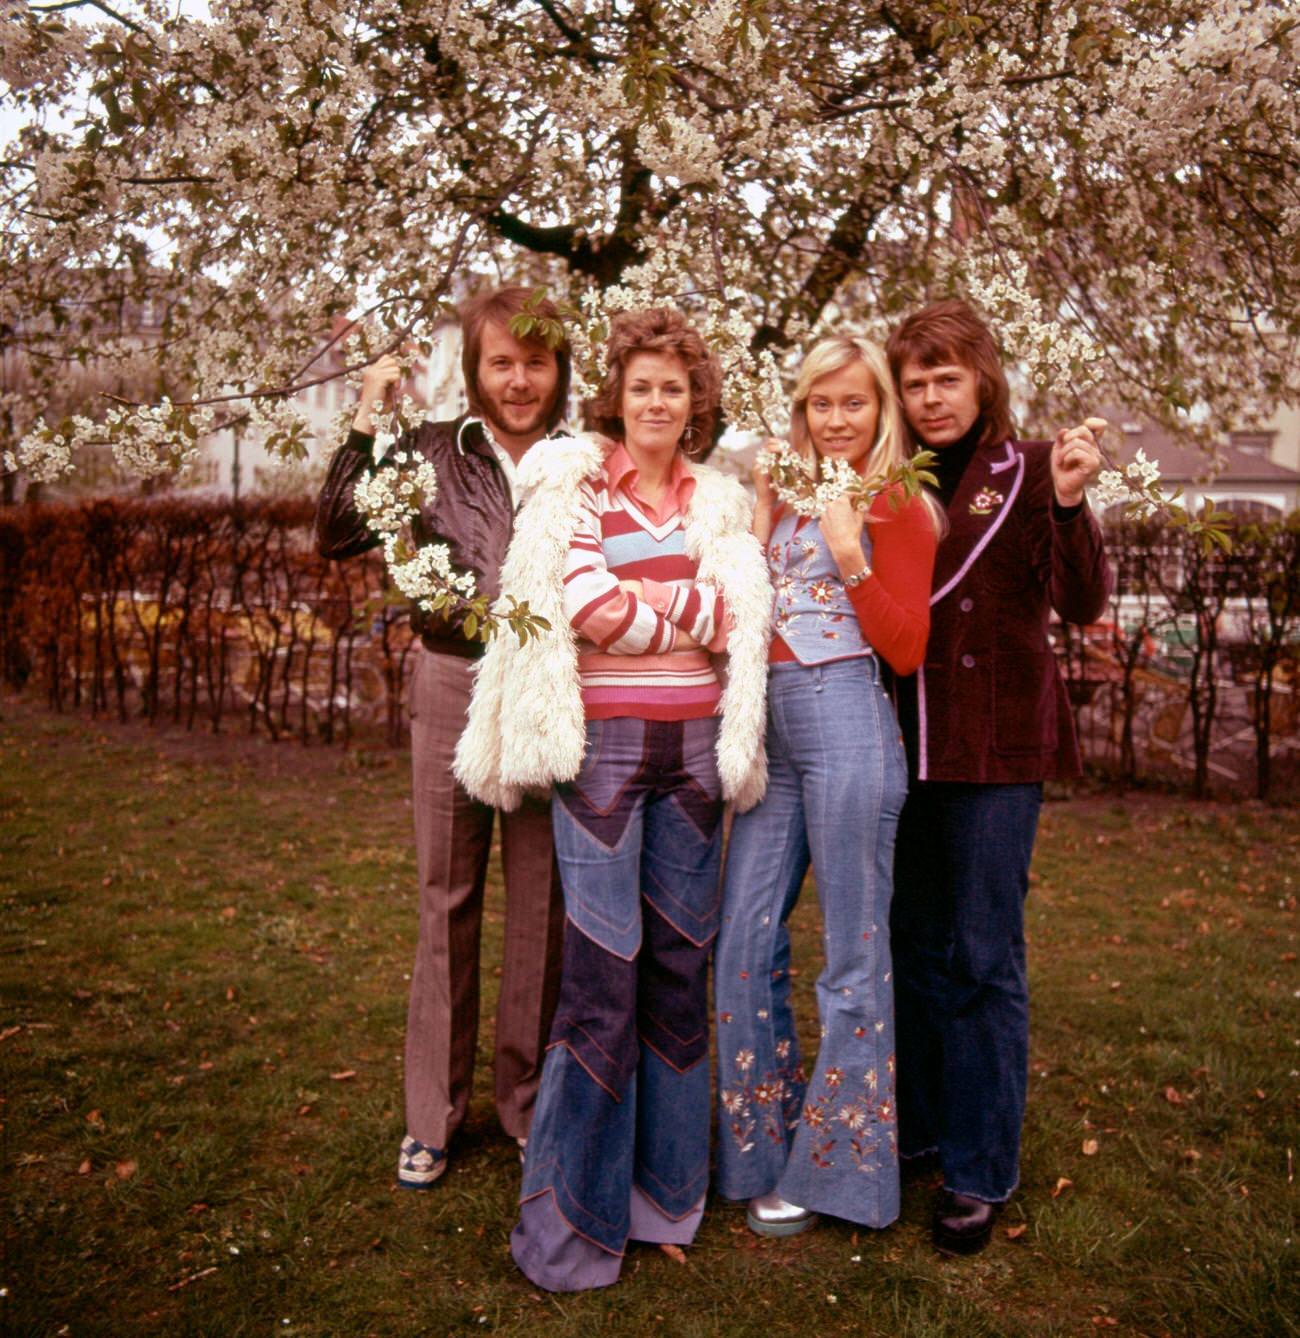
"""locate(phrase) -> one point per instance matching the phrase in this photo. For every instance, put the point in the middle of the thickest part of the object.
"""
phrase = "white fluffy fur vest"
(526, 725)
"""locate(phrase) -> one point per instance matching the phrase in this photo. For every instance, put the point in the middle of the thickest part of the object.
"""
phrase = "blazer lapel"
(982, 503)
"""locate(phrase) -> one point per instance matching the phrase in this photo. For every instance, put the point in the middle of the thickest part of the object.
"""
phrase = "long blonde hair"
(890, 448)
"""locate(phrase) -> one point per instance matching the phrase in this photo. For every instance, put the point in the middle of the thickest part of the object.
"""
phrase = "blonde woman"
(852, 597)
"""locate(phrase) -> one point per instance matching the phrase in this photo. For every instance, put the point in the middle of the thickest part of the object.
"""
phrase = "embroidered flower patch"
(984, 501)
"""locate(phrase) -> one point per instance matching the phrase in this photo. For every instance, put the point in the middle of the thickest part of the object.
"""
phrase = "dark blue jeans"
(961, 993)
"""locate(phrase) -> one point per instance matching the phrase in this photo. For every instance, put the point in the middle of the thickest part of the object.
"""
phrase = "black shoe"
(963, 1225)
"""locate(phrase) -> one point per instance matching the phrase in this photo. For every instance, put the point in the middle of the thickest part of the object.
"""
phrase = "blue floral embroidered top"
(811, 612)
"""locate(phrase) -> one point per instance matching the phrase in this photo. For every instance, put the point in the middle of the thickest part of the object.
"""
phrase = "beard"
(518, 420)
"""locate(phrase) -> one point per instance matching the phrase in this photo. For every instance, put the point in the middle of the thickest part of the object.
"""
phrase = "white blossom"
(1117, 197)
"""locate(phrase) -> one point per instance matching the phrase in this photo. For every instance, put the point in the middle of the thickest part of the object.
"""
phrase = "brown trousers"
(453, 836)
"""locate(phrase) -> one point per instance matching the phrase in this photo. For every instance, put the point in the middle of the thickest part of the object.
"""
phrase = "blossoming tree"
(1115, 184)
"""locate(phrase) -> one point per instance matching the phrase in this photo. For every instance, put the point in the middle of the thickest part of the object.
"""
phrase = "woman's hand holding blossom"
(765, 494)
(841, 526)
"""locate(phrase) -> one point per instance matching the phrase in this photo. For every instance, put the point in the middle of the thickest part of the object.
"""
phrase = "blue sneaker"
(418, 1165)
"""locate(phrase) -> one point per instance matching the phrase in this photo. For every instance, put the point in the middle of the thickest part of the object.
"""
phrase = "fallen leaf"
(1090, 1146)
(124, 1170)
(1062, 1184)
(1191, 1156)
(193, 1277)
(85, 1168)
(228, 912)
(1243, 1191)
(1260, 1094)
(304, 1110)
(94, 1118)
(675, 1253)
(344, 1075)
(205, 1066)
(230, 993)
(1015, 1232)
(1105, 1321)
(1173, 1096)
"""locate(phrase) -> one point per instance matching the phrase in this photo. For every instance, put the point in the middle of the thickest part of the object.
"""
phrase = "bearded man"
(517, 389)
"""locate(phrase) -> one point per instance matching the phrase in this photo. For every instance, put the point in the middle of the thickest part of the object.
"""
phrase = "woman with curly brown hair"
(643, 564)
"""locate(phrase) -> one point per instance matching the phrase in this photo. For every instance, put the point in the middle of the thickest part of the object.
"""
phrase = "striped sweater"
(646, 654)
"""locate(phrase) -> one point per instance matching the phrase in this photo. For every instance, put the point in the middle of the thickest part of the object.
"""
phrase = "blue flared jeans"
(836, 783)
(962, 992)
(619, 1146)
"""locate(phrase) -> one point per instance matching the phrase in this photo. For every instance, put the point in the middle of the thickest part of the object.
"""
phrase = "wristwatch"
(852, 582)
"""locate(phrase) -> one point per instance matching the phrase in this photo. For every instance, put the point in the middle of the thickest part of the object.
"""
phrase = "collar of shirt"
(503, 457)
(621, 472)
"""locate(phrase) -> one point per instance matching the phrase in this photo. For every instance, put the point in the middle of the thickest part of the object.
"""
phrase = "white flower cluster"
(425, 574)
(807, 488)
(391, 495)
(1135, 486)
(44, 454)
(681, 150)
(752, 394)
(406, 417)
(1059, 358)
(153, 439)
(157, 439)
(389, 499)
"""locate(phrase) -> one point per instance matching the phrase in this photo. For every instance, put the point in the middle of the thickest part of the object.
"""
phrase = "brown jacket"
(471, 513)
(988, 704)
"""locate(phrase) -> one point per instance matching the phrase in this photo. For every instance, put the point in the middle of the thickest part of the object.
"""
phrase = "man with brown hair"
(517, 390)
(986, 720)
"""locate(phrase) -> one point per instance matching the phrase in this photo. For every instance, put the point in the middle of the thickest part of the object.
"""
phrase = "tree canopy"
(1114, 184)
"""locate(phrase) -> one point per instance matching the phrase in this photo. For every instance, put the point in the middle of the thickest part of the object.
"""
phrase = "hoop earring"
(687, 437)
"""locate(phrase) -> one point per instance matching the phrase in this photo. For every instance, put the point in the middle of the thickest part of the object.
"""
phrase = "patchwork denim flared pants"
(836, 783)
(619, 1147)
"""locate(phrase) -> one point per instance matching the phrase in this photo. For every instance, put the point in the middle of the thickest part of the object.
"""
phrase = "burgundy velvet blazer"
(988, 703)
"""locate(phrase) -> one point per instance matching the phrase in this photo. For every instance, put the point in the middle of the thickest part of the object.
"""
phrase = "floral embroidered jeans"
(837, 779)
(620, 1134)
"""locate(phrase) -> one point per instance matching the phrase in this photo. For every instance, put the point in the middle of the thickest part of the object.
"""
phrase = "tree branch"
(94, 4)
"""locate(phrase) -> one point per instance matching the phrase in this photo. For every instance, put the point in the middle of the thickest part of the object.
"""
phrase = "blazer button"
(966, 605)
(968, 661)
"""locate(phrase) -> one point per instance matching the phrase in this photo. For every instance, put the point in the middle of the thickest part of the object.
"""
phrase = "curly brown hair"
(660, 330)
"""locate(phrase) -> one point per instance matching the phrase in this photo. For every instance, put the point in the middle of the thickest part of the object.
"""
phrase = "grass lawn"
(204, 968)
